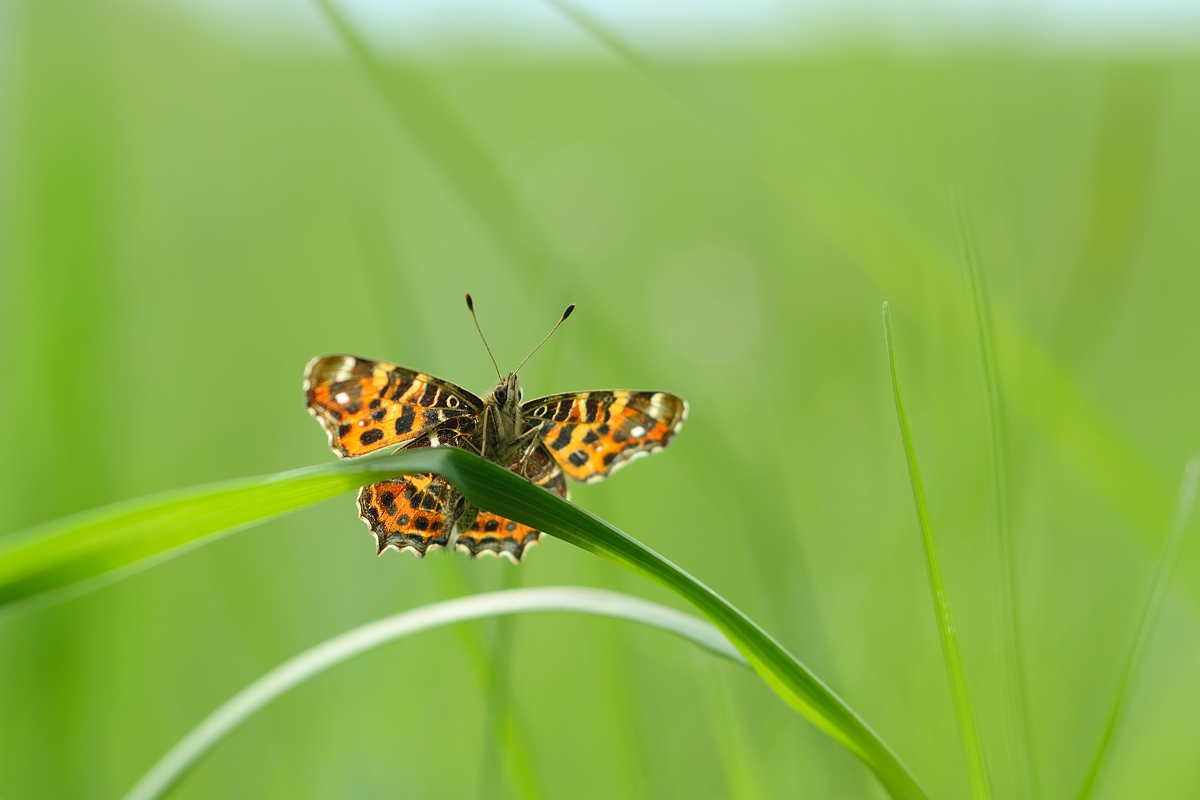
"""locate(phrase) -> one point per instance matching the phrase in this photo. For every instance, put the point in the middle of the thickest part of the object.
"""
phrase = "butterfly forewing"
(593, 434)
(366, 405)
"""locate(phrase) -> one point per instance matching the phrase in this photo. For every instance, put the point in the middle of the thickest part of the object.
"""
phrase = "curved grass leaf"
(83, 546)
(509, 495)
(968, 731)
(181, 758)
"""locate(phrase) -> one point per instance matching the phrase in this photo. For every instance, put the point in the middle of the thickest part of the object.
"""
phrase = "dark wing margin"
(593, 434)
(366, 405)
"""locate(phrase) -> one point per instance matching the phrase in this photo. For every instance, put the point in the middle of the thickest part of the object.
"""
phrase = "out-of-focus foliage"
(186, 218)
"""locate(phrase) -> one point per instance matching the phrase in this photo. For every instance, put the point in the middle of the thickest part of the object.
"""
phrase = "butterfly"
(365, 406)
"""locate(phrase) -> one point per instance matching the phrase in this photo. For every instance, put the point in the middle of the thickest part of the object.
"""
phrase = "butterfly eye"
(501, 395)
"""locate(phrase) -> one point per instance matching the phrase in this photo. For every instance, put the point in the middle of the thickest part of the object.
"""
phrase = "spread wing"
(366, 405)
(593, 434)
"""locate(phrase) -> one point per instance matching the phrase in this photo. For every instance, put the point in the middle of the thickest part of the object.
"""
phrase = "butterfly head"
(507, 394)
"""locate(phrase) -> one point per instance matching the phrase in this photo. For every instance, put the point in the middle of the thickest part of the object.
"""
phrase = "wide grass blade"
(86, 545)
(1016, 716)
(181, 758)
(968, 731)
(1167, 560)
(126, 535)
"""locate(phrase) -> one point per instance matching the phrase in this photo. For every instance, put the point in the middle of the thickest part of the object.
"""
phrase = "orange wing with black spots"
(366, 405)
(415, 511)
(593, 434)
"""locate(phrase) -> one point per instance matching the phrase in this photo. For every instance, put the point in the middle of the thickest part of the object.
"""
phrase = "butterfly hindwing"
(593, 434)
(366, 405)
(415, 511)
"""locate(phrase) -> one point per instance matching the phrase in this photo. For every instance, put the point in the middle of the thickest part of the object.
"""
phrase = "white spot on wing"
(637, 431)
(342, 398)
(344, 374)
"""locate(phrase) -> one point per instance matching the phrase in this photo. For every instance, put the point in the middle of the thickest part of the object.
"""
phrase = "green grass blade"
(96, 543)
(1167, 560)
(968, 731)
(505, 736)
(1016, 717)
(87, 545)
(180, 759)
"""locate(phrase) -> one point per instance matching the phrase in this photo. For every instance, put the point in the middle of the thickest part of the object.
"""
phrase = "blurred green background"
(188, 216)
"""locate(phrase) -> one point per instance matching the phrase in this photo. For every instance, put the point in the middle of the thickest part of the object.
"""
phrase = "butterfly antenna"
(561, 320)
(471, 308)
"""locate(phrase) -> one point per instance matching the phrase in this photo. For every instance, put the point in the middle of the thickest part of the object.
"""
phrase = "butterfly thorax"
(503, 422)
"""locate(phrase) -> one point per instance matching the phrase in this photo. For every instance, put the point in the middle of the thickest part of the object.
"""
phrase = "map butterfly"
(365, 406)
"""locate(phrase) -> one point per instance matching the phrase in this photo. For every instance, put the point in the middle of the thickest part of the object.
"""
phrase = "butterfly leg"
(527, 450)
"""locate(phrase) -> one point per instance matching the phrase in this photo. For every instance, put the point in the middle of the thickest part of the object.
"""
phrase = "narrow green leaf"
(181, 758)
(1167, 560)
(86, 545)
(506, 738)
(968, 731)
(1016, 717)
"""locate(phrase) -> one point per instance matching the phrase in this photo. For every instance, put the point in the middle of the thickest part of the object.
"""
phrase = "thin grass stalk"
(1167, 559)
(502, 712)
(1016, 718)
(968, 730)
(504, 734)
(188, 752)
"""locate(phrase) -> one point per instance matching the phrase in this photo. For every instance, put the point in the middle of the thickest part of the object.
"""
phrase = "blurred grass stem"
(1016, 719)
(1167, 560)
(968, 730)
